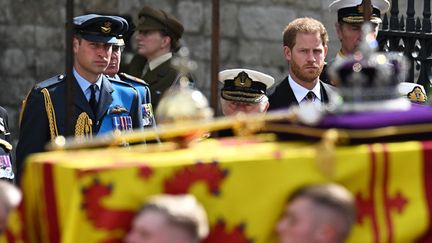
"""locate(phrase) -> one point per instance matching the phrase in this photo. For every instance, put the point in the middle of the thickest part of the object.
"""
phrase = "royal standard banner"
(92, 195)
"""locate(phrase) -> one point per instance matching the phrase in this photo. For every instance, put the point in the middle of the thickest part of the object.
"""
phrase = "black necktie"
(93, 103)
(310, 96)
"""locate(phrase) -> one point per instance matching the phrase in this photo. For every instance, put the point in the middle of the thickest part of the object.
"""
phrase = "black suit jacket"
(283, 95)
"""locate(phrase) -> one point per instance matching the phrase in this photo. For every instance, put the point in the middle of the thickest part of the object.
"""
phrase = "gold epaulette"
(133, 78)
(83, 126)
(50, 114)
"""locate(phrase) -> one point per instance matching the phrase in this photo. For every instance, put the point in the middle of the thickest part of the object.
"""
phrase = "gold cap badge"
(243, 80)
(106, 28)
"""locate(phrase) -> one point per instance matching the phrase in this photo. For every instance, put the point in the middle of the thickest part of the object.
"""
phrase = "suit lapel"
(105, 99)
(324, 93)
(291, 97)
(328, 92)
(286, 94)
(283, 96)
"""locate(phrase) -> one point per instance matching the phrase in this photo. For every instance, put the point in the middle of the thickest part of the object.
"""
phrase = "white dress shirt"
(159, 60)
(85, 85)
(300, 92)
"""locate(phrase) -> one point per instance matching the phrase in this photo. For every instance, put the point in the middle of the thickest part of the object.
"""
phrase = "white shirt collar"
(85, 84)
(159, 60)
(300, 92)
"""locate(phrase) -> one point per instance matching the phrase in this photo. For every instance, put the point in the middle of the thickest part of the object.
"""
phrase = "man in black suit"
(305, 47)
(99, 106)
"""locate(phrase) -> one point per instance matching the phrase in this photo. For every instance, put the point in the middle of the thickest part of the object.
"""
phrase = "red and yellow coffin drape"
(92, 195)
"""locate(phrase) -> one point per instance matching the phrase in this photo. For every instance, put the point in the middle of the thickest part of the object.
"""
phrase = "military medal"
(147, 114)
(6, 167)
(122, 123)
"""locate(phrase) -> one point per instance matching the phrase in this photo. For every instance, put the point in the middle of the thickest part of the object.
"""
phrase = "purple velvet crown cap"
(367, 80)
(374, 78)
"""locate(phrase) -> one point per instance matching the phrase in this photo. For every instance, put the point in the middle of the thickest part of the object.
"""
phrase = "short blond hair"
(336, 200)
(183, 211)
(303, 25)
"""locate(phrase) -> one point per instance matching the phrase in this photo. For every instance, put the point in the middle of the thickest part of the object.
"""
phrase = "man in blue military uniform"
(6, 171)
(143, 88)
(99, 106)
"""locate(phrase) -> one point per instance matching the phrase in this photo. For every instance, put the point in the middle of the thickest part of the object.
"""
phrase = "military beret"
(100, 28)
(352, 11)
(156, 19)
(244, 85)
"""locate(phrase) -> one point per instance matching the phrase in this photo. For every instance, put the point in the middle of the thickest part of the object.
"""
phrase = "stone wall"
(32, 37)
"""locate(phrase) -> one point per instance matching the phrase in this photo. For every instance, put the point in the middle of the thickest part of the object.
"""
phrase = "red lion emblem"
(108, 218)
(98, 214)
(184, 178)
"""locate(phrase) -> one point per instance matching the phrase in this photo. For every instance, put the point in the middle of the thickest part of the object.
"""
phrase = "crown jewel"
(368, 79)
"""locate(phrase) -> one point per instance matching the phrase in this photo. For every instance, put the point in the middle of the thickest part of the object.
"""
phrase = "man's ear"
(166, 41)
(287, 53)
(75, 43)
(266, 106)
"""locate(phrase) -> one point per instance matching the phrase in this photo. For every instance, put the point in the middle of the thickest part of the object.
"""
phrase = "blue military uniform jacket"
(145, 97)
(44, 113)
